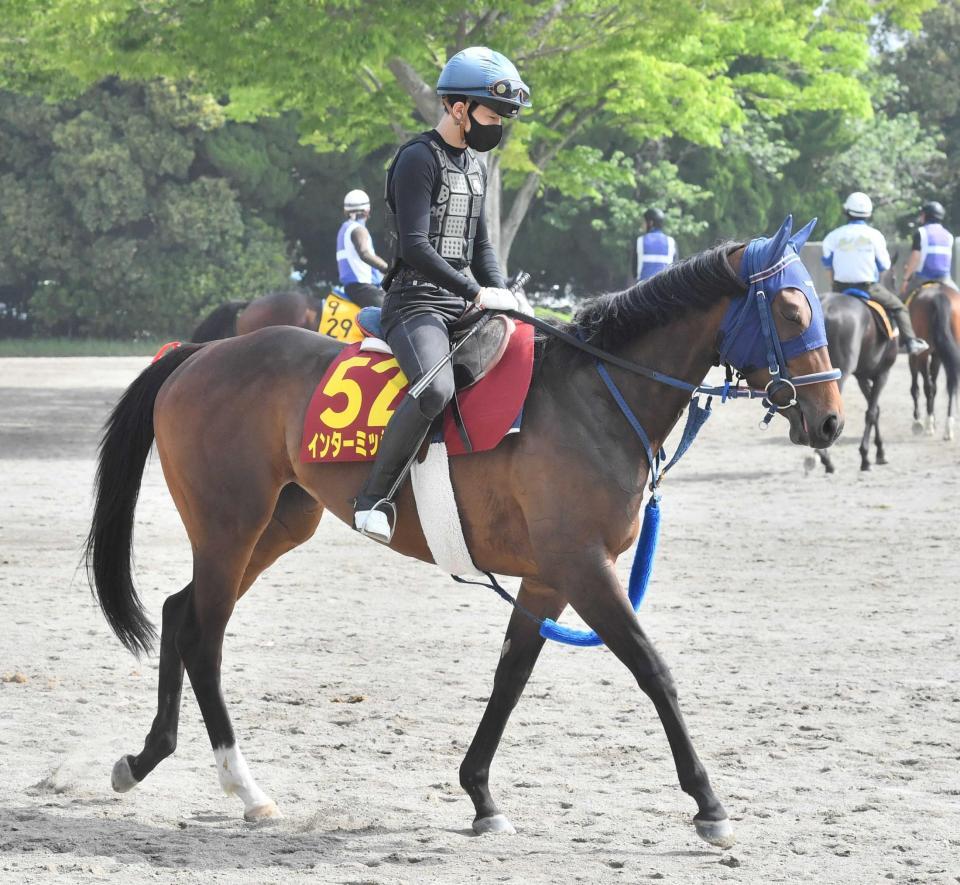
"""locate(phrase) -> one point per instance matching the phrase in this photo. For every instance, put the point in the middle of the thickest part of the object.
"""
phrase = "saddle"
(886, 329)
(471, 362)
(916, 290)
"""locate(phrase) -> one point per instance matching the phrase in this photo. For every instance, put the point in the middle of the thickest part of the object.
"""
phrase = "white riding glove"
(526, 308)
(491, 298)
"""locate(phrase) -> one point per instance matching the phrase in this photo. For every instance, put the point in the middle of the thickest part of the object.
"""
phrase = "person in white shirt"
(855, 255)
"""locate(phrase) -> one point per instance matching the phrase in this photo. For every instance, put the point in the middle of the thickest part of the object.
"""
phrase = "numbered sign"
(351, 406)
(339, 319)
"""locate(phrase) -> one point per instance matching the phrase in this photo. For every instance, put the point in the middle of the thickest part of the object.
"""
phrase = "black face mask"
(482, 137)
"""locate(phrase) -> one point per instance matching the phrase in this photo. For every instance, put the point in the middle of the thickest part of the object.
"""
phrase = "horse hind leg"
(869, 420)
(221, 577)
(931, 369)
(518, 655)
(294, 520)
(915, 392)
(162, 739)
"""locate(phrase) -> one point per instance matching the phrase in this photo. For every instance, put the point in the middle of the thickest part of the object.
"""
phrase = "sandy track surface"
(810, 621)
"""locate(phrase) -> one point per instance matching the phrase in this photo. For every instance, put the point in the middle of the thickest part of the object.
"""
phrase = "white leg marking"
(235, 779)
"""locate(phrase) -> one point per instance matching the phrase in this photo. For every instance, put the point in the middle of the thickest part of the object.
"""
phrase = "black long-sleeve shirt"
(411, 193)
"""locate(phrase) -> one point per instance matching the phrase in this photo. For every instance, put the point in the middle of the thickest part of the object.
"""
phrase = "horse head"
(775, 336)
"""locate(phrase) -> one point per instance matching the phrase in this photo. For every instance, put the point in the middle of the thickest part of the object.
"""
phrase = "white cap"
(356, 201)
(859, 205)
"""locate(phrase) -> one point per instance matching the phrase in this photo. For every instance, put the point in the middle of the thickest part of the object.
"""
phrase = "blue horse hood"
(769, 265)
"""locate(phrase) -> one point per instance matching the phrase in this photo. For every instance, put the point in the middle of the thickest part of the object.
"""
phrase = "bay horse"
(285, 307)
(554, 505)
(858, 348)
(935, 312)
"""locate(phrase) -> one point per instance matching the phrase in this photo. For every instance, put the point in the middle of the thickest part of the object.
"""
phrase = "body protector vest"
(936, 252)
(655, 251)
(456, 204)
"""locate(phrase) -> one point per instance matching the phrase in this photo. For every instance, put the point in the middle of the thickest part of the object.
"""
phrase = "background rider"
(358, 264)
(931, 254)
(855, 255)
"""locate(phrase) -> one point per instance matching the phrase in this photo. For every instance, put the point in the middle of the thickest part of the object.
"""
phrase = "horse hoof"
(830, 468)
(122, 778)
(917, 428)
(864, 466)
(881, 461)
(718, 833)
(262, 812)
(495, 824)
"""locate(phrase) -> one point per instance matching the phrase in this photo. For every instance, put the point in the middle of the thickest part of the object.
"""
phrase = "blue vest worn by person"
(655, 251)
(936, 252)
(352, 268)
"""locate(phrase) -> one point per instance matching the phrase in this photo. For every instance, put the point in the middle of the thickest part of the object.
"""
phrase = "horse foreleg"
(825, 459)
(596, 595)
(519, 653)
(162, 739)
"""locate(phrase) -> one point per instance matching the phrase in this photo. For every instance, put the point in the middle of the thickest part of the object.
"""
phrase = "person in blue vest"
(855, 254)
(359, 266)
(931, 256)
(435, 206)
(655, 250)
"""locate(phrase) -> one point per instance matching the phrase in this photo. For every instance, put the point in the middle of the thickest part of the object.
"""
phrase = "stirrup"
(376, 531)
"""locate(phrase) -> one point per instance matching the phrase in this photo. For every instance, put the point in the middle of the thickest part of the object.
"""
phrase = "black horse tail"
(942, 333)
(221, 322)
(127, 438)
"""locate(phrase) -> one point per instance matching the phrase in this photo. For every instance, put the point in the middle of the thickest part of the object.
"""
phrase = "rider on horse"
(435, 193)
(360, 268)
(932, 252)
(856, 254)
(655, 250)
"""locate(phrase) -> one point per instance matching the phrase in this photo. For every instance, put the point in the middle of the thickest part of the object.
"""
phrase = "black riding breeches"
(364, 294)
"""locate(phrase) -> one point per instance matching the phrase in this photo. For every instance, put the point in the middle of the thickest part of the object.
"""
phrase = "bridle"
(780, 378)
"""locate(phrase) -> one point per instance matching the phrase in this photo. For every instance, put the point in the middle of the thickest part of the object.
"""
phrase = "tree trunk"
(492, 206)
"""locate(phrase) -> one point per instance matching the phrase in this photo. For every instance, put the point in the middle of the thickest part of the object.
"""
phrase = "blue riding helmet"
(488, 77)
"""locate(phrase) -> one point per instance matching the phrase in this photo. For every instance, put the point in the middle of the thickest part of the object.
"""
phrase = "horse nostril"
(830, 428)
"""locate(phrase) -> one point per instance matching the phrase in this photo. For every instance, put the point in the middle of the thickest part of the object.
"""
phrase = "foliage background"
(157, 159)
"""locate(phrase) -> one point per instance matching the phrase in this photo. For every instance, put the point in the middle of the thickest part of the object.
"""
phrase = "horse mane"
(609, 321)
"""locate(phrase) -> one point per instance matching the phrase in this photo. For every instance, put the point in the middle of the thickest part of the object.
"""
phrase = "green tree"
(105, 227)
(361, 79)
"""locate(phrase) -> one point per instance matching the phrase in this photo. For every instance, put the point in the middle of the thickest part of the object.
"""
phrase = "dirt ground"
(811, 623)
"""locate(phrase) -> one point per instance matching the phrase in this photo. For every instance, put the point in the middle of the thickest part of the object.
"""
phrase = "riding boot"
(913, 344)
(401, 440)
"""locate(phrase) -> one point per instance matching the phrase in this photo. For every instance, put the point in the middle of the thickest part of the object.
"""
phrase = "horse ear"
(802, 235)
(778, 242)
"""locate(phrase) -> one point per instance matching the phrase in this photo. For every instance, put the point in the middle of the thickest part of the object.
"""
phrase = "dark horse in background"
(554, 505)
(859, 348)
(287, 307)
(935, 312)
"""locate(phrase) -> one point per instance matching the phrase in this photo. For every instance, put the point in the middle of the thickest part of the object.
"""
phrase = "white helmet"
(858, 205)
(356, 201)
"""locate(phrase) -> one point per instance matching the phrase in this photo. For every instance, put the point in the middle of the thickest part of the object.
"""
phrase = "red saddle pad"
(359, 392)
